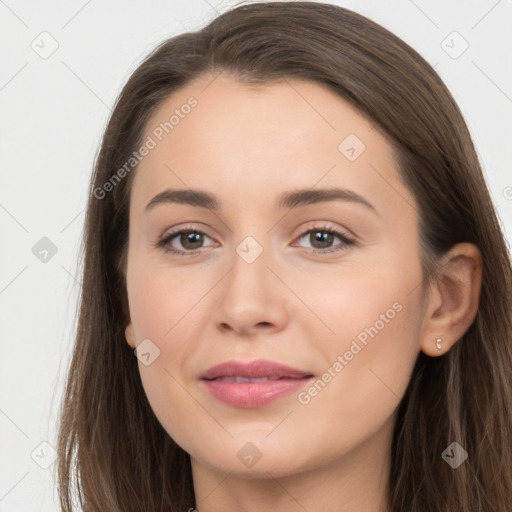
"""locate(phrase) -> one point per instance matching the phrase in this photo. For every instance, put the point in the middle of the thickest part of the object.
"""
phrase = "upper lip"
(254, 369)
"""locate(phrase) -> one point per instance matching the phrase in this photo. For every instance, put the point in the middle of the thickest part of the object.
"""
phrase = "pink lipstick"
(253, 384)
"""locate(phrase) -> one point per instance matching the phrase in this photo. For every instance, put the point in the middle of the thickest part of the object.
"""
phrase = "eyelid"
(319, 225)
(169, 235)
(346, 236)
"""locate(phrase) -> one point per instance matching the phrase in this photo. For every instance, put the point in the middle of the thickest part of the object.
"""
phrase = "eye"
(189, 239)
(321, 239)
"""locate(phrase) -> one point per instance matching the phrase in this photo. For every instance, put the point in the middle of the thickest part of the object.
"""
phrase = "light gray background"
(53, 112)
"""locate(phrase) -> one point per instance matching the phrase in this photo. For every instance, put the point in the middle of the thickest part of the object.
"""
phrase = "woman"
(366, 370)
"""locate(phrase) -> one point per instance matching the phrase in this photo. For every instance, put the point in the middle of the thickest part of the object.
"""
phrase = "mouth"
(241, 379)
(254, 384)
(258, 369)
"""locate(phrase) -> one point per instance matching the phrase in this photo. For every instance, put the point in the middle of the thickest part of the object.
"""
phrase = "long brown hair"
(113, 454)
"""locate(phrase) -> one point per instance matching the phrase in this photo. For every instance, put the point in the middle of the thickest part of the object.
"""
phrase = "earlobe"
(130, 338)
(453, 303)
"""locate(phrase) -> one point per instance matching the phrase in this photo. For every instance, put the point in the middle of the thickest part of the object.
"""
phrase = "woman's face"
(327, 283)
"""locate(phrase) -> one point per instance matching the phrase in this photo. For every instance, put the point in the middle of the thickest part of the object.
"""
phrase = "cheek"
(367, 301)
(368, 337)
(368, 369)
(164, 305)
(162, 300)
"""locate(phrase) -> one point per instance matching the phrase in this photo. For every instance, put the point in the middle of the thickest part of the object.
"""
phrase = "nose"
(251, 299)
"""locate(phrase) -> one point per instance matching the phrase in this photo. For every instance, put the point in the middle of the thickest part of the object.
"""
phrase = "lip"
(254, 369)
(285, 380)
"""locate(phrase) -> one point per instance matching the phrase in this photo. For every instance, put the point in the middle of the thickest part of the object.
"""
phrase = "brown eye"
(189, 240)
(322, 239)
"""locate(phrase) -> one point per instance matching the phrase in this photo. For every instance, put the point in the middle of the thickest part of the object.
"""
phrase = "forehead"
(242, 141)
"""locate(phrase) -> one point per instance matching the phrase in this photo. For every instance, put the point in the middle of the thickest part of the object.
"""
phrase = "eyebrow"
(201, 199)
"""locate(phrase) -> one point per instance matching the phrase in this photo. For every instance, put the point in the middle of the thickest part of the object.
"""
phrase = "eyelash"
(163, 243)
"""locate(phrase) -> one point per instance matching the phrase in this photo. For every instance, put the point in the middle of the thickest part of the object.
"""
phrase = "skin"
(247, 145)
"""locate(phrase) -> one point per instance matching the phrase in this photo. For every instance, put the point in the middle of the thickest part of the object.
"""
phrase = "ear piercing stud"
(438, 343)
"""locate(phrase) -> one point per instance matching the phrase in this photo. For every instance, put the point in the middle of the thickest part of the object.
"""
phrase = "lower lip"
(253, 394)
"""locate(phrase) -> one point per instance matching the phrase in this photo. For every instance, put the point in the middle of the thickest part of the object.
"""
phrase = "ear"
(453, 300)
(129, 335)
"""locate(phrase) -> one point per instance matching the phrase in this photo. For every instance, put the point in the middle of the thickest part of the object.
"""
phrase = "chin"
(254, 456)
